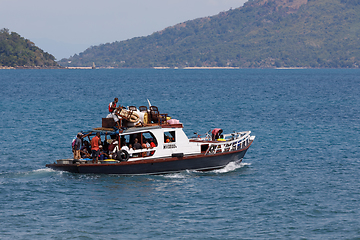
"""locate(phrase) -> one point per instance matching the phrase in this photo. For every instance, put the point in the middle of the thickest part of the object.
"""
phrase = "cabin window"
(149, 137)
(169, 137)
(129, 139)
(125, 140)
(204, 147)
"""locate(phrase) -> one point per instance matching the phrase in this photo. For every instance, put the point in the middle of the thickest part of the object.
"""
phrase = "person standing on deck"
(216, 133)
(77, 146)
(95, 150)
(112, 108)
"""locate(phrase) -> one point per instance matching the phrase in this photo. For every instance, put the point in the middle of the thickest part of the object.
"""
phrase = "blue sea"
(298, 180)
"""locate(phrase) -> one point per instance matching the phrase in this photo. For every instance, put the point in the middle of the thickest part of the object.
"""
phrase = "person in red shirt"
(152, 145)
(95, 150)
(112, 107)
(216, 133)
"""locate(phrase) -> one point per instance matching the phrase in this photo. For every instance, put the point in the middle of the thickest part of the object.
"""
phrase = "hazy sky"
(66, 27)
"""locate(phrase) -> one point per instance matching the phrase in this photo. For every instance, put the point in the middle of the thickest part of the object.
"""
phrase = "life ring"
(122, 155)
(134, 117)
(129, 115)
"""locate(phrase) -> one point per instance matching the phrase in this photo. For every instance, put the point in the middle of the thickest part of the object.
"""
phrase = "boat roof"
(114, 131)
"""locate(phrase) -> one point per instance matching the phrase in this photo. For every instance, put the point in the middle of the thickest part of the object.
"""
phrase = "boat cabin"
(147, 134)
(147, 142)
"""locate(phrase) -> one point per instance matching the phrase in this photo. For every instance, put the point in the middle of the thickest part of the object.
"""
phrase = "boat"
(170, 151)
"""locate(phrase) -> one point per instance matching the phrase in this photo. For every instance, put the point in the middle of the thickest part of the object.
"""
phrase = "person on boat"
(137, 145)
(127, 149)
(152, 145)
(95, 150)
(85, 153)
(112, 105)
(112, 147)
(106, 144)
(77, 146)
(112, 108)
(147, 146)
(86, 148)
(78, 143)
(131, 150)
(215, 134)
(102, 154)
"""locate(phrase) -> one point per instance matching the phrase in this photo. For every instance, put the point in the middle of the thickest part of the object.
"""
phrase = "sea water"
(299, 179)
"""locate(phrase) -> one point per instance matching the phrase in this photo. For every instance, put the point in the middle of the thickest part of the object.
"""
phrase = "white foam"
(176, 175)
(232, 166)
(44, 170)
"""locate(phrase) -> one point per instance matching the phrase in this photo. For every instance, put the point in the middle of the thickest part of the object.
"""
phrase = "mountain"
(15, 51)
(260, 34)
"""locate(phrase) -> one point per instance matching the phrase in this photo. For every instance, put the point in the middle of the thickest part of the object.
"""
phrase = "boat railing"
(139, 153)
(230, 142)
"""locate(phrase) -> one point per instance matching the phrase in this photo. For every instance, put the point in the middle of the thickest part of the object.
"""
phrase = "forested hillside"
(262, 33)
(15, 51)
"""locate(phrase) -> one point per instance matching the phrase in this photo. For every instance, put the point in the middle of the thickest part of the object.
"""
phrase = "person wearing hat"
(102, 155)
(78, 143)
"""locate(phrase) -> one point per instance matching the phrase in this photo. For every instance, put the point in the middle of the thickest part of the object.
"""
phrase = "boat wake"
(41, 170)
(177, 175)
(232, 166)
(26, 176)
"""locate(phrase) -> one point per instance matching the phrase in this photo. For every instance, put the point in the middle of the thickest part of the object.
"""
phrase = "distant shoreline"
(186, 68)
(78, 68)
(7, 68)
(228, 68)
(197, 68)
(36, 67)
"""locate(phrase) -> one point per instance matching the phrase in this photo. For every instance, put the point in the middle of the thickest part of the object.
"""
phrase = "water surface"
(299, 179)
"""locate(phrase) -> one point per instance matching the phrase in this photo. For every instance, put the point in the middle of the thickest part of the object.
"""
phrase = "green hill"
(262, 33)
(15, 51)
